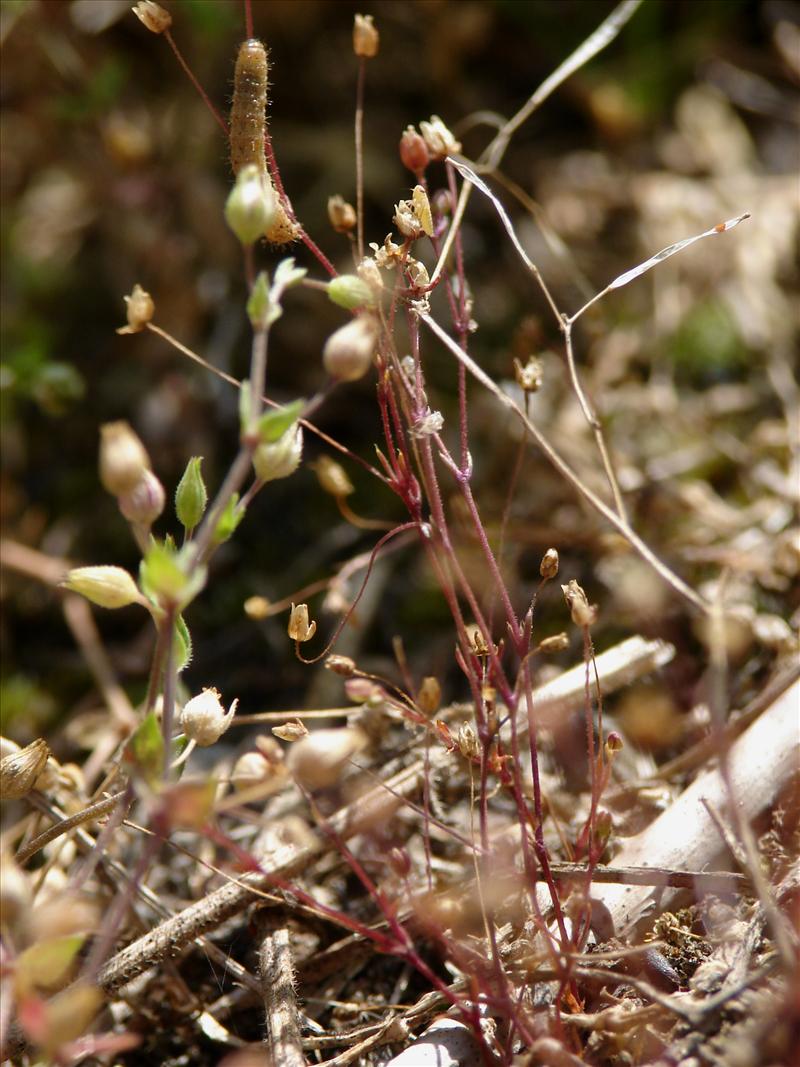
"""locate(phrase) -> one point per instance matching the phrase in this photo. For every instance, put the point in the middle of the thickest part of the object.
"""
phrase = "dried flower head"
(341, 214)
(290, 731)
(20, 770)
(429, 696)
(203, 718)
(406, 220)
(548, 568)
(366, 39)
(529, 376)
(583, 613)
(123, 458)
(300, 629)
(153, 16)
(140, 310)
(438, 138)
(388, 254)
(556, 643)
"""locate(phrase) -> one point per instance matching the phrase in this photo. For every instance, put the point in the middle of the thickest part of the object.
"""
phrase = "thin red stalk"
(346, 617)
(275, 174)
(359, 139)
(461, 327)
(220, 121)
(541, 850)
(248, 19)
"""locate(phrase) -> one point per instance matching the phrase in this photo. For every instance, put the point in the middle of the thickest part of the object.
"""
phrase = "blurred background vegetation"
(113, 172)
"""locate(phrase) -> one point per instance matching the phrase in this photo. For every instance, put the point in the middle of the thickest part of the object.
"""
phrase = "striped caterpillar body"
(248, 122)
(249, 108)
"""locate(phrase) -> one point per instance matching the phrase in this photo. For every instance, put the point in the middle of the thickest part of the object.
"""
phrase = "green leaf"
(146, 748)
(183, 644)
(274, 424)
(45, 964)
(287, 275)
(229, 520)
(260, 308)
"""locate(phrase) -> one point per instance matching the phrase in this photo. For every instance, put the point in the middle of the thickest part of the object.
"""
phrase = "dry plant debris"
(520, 829)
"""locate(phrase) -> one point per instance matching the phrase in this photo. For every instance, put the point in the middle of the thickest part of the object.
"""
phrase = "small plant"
(435, 833)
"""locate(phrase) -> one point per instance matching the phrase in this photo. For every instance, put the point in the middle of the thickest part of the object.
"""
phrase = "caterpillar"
(248, 118)
(248, 121)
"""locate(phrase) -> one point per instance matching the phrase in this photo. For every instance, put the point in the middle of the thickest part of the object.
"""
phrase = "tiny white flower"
(430, 423)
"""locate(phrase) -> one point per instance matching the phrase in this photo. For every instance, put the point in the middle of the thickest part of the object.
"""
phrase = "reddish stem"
(190, 75)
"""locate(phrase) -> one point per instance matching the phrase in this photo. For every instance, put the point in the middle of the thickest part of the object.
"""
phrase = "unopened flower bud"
(333, 477)
(140, 310)
(366, 38)
(341, 215)
(257, 608)
(123, 458)
(350, 292)
(279, 459)
(108, 587)
(20, 770)
(203, 718)
(414, 152)
(438, 138)
(583, 613)
(430, 695)
(556, 643)
(252, 205)
(548, 568)
(349, 352)
(290, 731)
(153, 16)
(145, 502)
(342, 665)
(191, 496)
(300, 629)
(317, 761)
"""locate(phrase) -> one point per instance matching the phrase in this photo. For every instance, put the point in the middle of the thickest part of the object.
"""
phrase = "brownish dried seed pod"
(249, 109)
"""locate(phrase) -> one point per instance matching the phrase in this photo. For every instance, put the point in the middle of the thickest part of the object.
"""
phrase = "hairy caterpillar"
(248, 120)
(249, 109)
